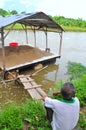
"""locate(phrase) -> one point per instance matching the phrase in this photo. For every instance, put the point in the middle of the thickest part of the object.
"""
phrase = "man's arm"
(44, 97)
(56, 93)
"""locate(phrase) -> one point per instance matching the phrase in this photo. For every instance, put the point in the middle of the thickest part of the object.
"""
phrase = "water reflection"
(47, 77)
(12, 93)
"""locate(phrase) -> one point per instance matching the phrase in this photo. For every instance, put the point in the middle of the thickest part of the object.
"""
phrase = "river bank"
(66, 28)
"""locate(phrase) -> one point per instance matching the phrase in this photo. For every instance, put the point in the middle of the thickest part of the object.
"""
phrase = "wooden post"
(3, 52)
(60, 44)
(46, 39)
(10, 30)
(3, 49)
(25, 29)
(35, 36)
(26, 34)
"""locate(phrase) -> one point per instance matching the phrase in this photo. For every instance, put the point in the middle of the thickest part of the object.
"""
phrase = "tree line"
(65, 22)
(7, 13)
(70, 22)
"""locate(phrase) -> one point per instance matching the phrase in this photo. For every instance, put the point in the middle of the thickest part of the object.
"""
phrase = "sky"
(67, 8)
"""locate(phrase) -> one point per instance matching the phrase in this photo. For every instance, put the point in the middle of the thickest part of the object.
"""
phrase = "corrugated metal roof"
(37, 19)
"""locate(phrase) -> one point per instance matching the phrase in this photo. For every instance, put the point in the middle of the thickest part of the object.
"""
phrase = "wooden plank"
(40, 91)
(28, 83)
(33, 93)
(25, 82)
(34, 87)
(26, 76)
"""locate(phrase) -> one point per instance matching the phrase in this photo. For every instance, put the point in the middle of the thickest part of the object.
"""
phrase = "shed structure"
(34, 21)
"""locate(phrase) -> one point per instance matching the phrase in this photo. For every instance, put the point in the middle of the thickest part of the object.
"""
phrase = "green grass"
(74, 29)
(12, 118)
(82, 121)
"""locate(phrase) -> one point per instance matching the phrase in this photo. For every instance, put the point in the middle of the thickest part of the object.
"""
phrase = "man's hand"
(56, 93)
(44, 97)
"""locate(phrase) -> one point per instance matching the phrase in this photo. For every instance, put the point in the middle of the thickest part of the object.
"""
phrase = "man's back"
(65, 113)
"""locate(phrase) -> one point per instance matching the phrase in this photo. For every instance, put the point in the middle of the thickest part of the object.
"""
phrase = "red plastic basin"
(13, 44)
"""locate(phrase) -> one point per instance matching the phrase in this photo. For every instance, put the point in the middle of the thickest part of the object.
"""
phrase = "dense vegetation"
(7, 13)
(69, 24)
(16, 117)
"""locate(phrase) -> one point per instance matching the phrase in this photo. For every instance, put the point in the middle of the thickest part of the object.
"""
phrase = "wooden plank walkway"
(32, 87)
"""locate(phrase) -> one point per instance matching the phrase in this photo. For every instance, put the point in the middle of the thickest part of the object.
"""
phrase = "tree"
(3, 12)
(23, 12)
(14, 12)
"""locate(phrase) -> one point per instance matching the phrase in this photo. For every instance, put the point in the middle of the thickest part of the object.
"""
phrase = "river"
(73, 49)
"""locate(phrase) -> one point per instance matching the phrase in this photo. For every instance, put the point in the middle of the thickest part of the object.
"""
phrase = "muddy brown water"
(73, 49)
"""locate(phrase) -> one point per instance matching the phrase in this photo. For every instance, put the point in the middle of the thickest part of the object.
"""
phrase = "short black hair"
(68, 91)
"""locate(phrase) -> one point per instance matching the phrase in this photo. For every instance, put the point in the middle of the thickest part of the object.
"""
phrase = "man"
(64, 114)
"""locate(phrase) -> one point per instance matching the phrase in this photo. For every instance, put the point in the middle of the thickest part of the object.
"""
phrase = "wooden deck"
(32, 87)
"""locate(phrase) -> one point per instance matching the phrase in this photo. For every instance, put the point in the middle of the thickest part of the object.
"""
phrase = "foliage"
(34, 113)
(70, 22)
(6, 13)
(81, 89)
(3, 12)
(78, 77)
(14, 12)
(76, 70)
(12, 118)
(82, 121)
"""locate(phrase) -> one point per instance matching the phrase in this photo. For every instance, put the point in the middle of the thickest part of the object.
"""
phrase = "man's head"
(68, 91)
